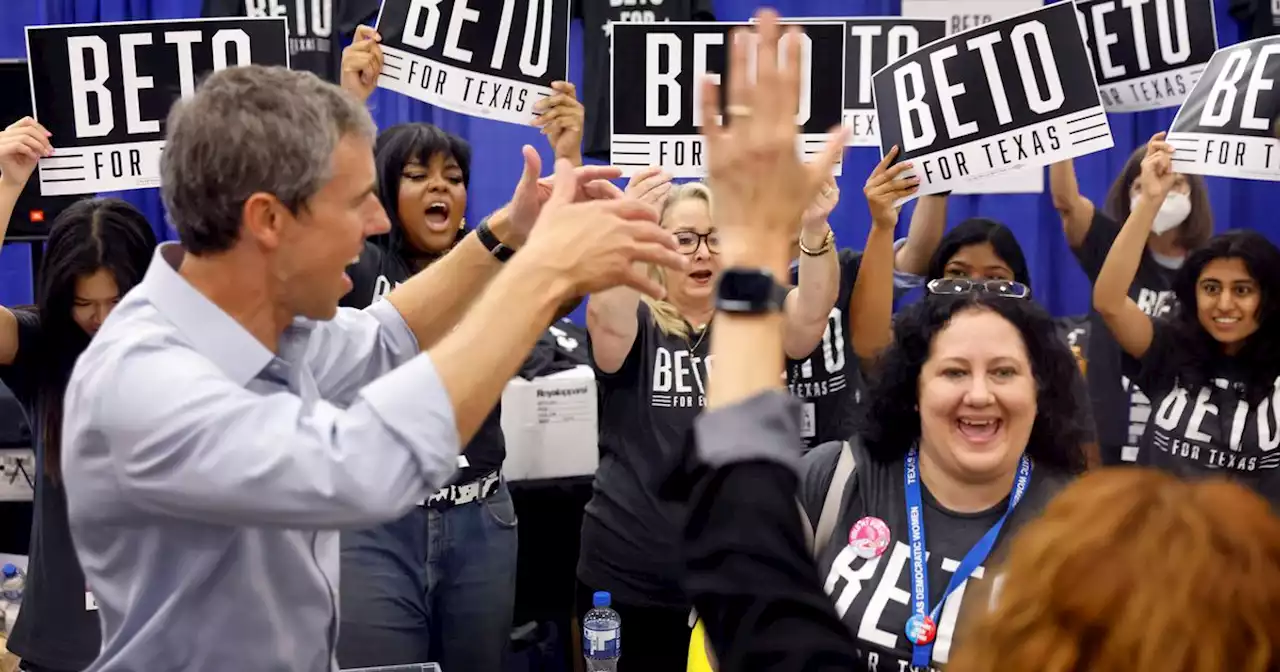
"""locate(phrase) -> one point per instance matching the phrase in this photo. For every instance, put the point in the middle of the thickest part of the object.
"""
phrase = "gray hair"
(250, 130)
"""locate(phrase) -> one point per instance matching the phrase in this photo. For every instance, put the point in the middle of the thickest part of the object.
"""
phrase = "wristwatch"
(749, 291)
(500, 250)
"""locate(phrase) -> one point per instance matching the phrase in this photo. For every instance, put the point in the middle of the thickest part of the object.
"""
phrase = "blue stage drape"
(1058, 281)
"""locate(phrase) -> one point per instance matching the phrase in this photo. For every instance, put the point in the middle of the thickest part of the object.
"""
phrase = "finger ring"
(738, 111)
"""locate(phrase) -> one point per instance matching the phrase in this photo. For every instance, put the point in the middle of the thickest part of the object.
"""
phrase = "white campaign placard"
(1006, 95)
(1227, 125)
(962, 15)
(485, 58)
(1147, 55)
(104, 90)
(656, 109)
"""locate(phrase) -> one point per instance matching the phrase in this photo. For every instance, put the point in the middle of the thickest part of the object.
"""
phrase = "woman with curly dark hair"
(1140, 607)
(1211, 369)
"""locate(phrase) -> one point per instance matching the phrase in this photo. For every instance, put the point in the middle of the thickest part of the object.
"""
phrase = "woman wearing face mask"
(651, 361)
(438, 584)
(96, 251)
(1211, 369)
(1183, 222)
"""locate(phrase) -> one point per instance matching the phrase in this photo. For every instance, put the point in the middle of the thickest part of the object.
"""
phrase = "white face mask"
(1173, 212)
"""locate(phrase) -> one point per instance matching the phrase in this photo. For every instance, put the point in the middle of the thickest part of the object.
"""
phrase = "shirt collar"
(211, 331)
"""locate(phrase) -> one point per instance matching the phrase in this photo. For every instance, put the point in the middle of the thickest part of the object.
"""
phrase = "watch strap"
(500, 250)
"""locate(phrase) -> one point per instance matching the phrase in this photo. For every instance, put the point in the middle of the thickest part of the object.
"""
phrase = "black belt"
(464, 493)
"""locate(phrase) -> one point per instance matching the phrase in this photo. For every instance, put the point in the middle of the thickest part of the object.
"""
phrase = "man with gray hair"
(228, 417)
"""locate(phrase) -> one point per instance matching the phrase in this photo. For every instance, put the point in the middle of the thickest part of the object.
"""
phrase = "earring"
(463, 224)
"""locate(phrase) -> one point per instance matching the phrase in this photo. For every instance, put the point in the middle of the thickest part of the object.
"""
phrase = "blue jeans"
(434, 586)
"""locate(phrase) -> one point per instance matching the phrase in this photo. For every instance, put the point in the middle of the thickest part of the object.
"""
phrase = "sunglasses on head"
(1005, 288)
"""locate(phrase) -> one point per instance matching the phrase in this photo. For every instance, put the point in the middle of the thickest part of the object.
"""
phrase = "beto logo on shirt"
(679, 379)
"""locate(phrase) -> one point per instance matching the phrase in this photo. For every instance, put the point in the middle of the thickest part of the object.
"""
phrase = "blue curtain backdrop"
(1058, 281)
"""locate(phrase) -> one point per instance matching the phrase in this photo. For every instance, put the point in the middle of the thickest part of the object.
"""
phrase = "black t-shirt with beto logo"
(597, 17)
(630, 534)
(829, 380)
(1211, 430)
(58, 627)
(872, 596)
(316, 27)
(1120, 409)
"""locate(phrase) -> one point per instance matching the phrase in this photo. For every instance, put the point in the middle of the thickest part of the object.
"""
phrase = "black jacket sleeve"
(748, 571)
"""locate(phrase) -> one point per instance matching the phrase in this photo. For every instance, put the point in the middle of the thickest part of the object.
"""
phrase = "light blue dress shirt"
(206, 477)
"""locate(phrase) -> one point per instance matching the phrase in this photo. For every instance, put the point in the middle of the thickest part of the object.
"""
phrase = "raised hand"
(362, 63)
(22, 145)
(562, 118)
(532, 193)
(1157, 176)
(650, 185)
(886, 188)
(599, 244)
(815, 216)
(760, 185)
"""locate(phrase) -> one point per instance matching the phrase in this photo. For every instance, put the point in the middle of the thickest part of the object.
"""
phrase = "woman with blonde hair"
(1137, 570)
(651, 365)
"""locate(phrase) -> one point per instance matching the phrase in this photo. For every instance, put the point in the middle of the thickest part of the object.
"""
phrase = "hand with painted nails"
(561, 117)
(22, 145)
(362, 63)
(886, 188)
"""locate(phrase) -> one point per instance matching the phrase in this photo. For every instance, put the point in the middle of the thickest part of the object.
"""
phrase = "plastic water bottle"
(12, 581)
(602, 635)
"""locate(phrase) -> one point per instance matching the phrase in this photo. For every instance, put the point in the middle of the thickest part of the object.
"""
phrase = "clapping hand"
(362, 63)
(886, 188)
(561, 117)
(760, 185)
(532, 193)
(650, 185)
(22, 145)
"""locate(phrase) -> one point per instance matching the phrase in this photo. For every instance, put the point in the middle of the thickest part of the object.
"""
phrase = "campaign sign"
(1225, 127)
(104, 90)
(485, 58)
(962, 15)
(870, 44)
(657, 90)
(1009, 94)
(1147, 55)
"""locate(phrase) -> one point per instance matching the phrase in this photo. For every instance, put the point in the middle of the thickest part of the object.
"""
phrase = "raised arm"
(562, 119)
(1126, 321)
(928, 222)
(871, 304)
(611, 314)
(808, 305)
(1076, 210)
(21, 146)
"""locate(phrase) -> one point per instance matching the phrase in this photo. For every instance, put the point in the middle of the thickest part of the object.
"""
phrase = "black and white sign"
(1008, 94)
(104, 90)
(870, 44)
(1147, 54)
(962, 15)
(657, 92)
(485, 58)
(1225, 127)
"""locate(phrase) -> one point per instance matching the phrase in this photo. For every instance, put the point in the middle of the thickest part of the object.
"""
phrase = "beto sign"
(1008, 94)
(870, 44)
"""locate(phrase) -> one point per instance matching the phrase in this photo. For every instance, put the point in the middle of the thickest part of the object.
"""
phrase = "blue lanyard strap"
(922, 653)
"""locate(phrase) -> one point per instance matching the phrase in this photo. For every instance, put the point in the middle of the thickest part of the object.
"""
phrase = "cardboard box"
(551, 426)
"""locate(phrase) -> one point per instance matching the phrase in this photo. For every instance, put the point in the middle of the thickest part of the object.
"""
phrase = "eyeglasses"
(1005, 288)
(687, 242)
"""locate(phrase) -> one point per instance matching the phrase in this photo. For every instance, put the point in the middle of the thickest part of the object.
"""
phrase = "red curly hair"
(1133, 570)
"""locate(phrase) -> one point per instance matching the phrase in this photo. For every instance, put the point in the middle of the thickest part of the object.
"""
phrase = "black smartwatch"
(749, 291)
(496, 247)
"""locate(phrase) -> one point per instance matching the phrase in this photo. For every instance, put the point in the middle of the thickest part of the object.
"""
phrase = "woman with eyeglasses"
(1211, 368)
(651, 365)
(1183, 222)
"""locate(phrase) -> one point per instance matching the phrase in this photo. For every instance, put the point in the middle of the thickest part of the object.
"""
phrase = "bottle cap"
(601, 599)
(9, 570)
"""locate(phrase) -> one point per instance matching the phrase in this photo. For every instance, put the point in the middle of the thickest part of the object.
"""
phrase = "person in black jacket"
(96, 251)
(439, 584)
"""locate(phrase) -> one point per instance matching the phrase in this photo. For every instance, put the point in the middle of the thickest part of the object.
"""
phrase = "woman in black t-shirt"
(1211, 369)
(97, 250)
(1184, 222)
(651, 363)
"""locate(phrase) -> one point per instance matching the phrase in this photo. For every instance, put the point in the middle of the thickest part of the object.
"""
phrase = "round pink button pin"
(869, 537)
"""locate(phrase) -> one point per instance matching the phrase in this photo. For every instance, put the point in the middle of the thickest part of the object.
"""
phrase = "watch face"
(745, 286)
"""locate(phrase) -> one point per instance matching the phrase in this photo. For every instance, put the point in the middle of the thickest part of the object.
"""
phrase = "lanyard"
(923, 624)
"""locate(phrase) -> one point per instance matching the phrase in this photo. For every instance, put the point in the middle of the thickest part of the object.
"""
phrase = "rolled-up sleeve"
(183, 440)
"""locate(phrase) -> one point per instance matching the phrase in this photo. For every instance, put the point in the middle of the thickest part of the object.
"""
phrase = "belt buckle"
(458, 494)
